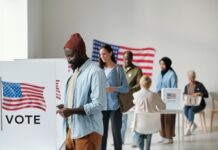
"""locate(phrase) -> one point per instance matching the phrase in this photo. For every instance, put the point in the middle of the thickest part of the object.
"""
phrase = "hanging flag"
(142, 57)
(18, 96)
(58, 92)
(1, 119)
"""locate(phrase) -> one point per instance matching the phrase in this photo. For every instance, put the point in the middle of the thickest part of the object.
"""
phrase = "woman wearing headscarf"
(167, 79)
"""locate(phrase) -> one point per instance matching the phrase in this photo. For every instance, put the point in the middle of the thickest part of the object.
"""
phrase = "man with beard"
(133, 76)
(85, 98)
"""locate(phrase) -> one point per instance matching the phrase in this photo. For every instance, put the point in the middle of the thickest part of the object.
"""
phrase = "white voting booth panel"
(174, 105)
(172, 97)
(30, 127)
(62, 73)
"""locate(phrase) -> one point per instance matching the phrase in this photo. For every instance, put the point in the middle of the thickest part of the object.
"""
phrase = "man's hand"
(110, 89)
(60, 112)
(61, 106)
(65, 112)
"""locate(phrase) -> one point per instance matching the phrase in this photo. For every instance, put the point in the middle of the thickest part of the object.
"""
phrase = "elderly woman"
(194, 88)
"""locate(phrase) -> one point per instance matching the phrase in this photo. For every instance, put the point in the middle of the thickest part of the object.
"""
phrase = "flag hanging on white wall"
(142, 57)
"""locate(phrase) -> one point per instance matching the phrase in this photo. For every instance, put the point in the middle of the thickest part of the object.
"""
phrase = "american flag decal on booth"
(142, 57)
(58, 92)
(18, 96)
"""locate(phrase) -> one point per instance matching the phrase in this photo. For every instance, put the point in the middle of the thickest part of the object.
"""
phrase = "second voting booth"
(30, 92)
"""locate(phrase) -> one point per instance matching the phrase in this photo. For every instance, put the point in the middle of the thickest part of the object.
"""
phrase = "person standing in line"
(133, 75)
(167, 79)
(84, 100)
(116, 83)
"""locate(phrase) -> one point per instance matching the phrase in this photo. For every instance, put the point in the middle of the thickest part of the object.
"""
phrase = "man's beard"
(128, 65)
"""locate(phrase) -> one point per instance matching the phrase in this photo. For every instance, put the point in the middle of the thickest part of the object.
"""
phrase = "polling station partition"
(28, 106)
(62, 73)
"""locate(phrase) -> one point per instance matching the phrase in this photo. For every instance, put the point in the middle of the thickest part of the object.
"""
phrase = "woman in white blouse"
(146, 101)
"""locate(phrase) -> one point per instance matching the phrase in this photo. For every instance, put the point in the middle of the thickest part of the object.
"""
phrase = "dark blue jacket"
(199, 88)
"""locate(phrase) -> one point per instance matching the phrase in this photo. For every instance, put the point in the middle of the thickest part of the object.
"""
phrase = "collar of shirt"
(129, 68)
(145, 90)
(85, 65)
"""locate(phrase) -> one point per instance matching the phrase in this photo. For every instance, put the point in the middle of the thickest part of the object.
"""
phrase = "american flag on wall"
(142, 57)
(18, 96)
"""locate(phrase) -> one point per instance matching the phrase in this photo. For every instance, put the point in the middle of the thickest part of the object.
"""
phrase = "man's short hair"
(129, 53)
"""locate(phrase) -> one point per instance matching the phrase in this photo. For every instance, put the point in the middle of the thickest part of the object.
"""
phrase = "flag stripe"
(139, 64)
(23, 99)
(130, 49)
(146, 61)
(19, 108)
(146, 67)
(32, 92)
(138, 54)
(147, 74)
(138, 58)
(146, 71)
(32, 95)
(31, 89)
(58, 97)
(26, 103)
(31, 85)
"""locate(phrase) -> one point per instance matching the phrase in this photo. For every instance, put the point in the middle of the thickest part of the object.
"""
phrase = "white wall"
(13, 29)
(35, 28)
(186, 31)
(20, 29)
(105, 20)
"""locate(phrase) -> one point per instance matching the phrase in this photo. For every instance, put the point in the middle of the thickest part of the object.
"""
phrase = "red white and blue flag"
(18, 96)
(58, 92)
(142, 57)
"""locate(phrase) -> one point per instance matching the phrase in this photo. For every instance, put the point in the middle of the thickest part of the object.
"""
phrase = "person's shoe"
(162, 140)
(188, 132)
(193, 127)
(168, 141)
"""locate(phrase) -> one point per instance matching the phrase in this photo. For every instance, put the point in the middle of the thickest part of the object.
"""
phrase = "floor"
(200, 140)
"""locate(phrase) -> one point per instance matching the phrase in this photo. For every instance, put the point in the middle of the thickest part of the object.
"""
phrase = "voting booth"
(172, 98)
(62, 73)
(30, 92)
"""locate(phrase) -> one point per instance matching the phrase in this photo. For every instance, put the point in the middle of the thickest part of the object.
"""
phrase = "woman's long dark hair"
(110, 50)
